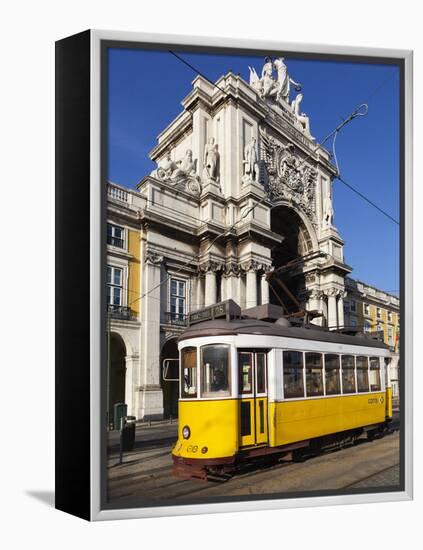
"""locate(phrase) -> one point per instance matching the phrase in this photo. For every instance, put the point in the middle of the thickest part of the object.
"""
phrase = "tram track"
(335, 470)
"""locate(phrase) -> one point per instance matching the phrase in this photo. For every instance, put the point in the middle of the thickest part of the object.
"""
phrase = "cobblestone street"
(145, 475)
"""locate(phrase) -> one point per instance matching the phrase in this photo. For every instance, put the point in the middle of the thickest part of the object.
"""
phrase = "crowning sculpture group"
(286, 176)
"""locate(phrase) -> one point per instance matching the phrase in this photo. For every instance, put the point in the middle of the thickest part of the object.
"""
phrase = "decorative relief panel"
(287, 176)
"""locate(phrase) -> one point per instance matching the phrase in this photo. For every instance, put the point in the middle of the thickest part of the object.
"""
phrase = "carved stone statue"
(181, 174)
(211, 160)
(270, 87)
(327, 211)
(284, 80)
(166, 168)
(251, 161)
(187, 166)
(301, 117)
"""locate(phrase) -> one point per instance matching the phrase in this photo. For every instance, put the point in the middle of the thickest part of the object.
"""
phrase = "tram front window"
(189, 372)
(215, 378)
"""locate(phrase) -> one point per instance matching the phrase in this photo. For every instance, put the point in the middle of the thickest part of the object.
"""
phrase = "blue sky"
(145, 93)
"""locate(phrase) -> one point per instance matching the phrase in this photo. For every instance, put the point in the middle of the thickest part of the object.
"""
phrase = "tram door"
(252, 379)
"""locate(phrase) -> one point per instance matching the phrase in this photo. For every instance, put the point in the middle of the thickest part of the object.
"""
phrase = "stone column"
(316, 302)
(225, 289)
(198, 298)
(332, 312)
(131, 383)
(151, 396)
(230, 282)
(264, 289)
(341, 310)
(313, 300)
(211, 290)
(251, 291)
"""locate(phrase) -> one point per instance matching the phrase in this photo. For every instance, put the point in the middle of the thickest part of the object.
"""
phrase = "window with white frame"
(390, 316)
(367, 326)
(353, 306)
(115, 235)
(379, 313)
(177, 299)
(114, 286)
(366, 309)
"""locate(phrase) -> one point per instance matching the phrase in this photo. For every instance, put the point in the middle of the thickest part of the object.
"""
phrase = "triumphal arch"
(239, 206)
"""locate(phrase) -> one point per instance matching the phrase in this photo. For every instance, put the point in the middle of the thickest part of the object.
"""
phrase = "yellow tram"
(251, 387)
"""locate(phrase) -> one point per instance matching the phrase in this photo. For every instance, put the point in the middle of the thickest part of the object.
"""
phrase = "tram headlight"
(186, 432)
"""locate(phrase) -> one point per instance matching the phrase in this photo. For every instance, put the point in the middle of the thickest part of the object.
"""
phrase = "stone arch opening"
(170, 388)
(297, 242)
(117, 371)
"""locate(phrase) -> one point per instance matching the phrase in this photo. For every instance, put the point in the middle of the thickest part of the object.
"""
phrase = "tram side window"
(374, 374)
(215, 371)
(189, 372)
(314, 374)
(293, 382)
(348, 375)
(332, 371)
(362, 374)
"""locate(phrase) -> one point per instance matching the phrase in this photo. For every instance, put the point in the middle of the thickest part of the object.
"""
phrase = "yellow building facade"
(373, 310)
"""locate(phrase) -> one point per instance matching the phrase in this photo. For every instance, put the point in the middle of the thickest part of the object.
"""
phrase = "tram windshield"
(215, 377)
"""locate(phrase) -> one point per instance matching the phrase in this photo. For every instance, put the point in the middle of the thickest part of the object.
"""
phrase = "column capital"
(210, 265)
(316, 293)
(231, 268)
(334, 292)
(153, 258)
(255, 265)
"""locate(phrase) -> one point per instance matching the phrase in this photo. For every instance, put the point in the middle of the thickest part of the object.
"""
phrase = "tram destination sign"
(228, 309)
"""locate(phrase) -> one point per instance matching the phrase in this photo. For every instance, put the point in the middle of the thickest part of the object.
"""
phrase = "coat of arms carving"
(286, 176)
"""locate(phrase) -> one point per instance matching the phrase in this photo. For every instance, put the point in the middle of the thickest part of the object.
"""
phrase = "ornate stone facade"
(240, 189)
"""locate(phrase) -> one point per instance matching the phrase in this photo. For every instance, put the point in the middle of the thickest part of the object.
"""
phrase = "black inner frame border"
(105, 45)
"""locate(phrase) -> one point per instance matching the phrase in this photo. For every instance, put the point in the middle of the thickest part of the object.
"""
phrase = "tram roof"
(221, 327)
